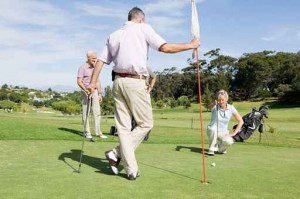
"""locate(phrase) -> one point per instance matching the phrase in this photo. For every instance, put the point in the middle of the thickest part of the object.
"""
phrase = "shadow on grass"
(172, 172)
(192, 149)
(100, 164)
(279, 105)
(76, 132)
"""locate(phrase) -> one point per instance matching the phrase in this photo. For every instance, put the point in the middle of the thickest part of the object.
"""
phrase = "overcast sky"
(42, 43)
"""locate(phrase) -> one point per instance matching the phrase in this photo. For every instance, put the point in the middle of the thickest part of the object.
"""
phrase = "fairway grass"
(41, 150)
(45, 169)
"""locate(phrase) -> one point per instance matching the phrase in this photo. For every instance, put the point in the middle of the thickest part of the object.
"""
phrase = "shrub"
(184, 101)
(67, 107)
(160, 104)
(264, 94)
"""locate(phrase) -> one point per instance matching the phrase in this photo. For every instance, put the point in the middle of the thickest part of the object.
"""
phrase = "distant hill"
(59, 88)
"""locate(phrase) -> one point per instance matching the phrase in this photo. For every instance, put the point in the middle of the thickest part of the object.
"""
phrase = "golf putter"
(85, 124)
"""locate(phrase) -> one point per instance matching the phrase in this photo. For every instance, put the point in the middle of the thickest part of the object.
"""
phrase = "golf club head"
(264, 110)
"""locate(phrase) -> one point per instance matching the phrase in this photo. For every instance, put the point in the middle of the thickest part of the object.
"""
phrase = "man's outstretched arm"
(175, 48)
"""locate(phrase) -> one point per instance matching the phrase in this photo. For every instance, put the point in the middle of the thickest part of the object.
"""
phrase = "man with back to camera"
(127, 48)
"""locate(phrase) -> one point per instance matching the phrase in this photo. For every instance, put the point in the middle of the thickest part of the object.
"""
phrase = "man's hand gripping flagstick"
(195, 30)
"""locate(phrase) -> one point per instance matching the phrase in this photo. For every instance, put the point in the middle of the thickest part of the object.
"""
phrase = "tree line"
(252, 76)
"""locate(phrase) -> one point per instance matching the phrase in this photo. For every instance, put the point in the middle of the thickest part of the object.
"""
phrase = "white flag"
(195, 28)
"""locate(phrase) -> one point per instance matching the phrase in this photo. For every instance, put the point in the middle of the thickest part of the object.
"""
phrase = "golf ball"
(213, 164)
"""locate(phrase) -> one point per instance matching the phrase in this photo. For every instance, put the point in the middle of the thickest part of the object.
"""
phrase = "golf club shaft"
(85, 125)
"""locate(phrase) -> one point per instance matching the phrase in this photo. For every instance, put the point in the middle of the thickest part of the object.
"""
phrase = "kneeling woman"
(217, 129)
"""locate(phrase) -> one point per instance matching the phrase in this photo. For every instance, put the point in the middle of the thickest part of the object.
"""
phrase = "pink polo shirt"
(128, 48)
(85, 72)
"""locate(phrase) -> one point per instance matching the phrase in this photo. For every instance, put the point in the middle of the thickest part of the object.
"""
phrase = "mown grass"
(40, 151)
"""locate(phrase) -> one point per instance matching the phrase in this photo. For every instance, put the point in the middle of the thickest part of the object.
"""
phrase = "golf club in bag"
(252, 121)
(85, 124)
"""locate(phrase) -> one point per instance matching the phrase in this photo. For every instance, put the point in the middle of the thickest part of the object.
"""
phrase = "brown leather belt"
(131, 76)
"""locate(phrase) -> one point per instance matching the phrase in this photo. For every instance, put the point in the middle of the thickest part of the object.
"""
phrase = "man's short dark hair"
(135, 13)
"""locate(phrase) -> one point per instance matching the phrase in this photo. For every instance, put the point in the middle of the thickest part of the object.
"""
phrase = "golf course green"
(40, 152)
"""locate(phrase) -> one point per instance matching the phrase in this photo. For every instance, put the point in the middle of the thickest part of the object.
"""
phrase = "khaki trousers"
(95, 108)
(214, 137)
(131, 100)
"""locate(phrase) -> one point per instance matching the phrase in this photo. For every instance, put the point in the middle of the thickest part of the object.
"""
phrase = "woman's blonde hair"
(222, 93)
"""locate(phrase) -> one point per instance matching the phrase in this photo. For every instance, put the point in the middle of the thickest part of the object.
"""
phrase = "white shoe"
(88, 135)
(102, 136)
(210, 152)
(113, 161)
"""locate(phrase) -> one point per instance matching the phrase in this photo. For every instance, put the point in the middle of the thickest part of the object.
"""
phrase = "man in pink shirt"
(83, 81)
(127, 48)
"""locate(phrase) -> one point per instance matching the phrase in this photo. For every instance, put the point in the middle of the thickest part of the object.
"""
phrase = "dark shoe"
(132, 176)
(146, 137)
(112, 163)
(223, 152)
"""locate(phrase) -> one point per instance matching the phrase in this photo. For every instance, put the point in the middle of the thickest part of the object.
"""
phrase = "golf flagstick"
(85, 124)
(217, 109)
(195, 30)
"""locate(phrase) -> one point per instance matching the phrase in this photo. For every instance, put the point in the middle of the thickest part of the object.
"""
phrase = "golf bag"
(114, 131)
(134, 124)
(252, 121)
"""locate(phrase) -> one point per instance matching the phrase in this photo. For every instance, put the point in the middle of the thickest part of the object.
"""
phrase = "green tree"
(4, 94)
(220, 71)
(254, 73)
(16, 97)
(75, 96)
(168, 83)
(107, 104)
(4, 86)
(38, 104)
(207, 98)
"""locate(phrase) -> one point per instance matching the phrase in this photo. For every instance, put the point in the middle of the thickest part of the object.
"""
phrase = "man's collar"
(129, 23)
(90, 66)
